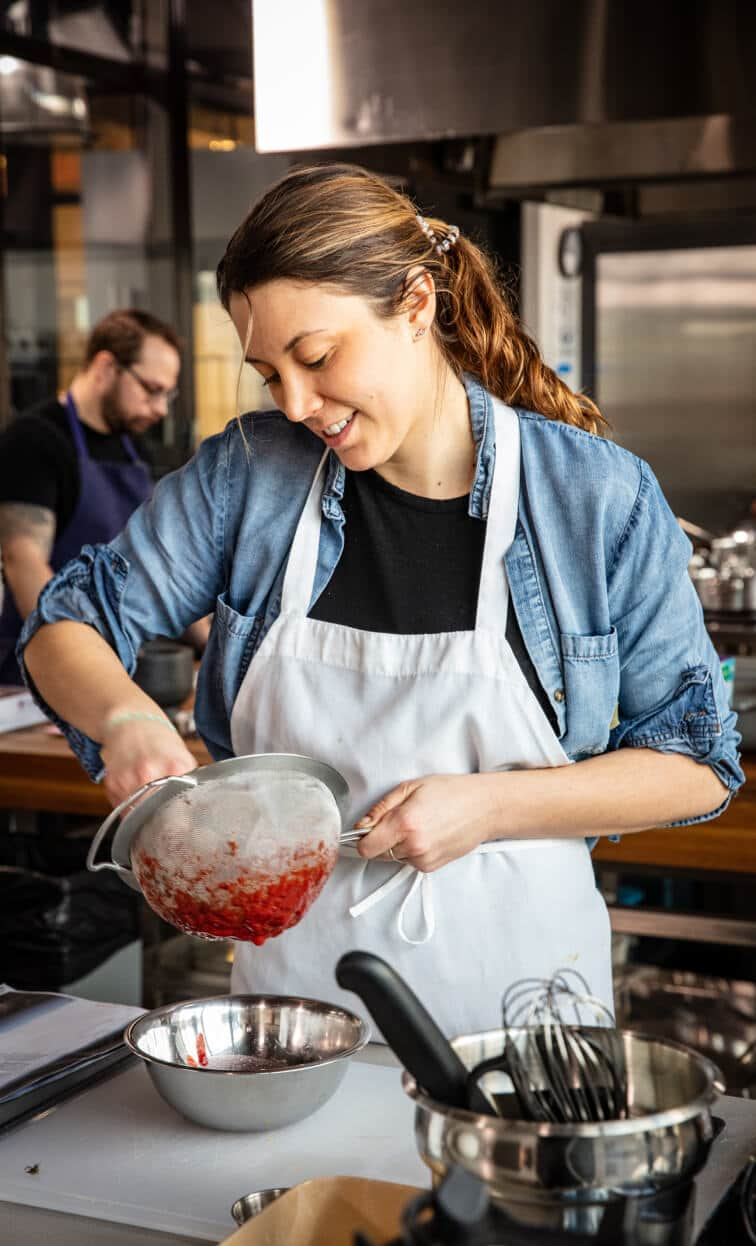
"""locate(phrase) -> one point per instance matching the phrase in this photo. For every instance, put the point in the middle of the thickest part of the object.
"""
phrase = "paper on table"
(18, 709)
(43, 1034)
(328, 1210)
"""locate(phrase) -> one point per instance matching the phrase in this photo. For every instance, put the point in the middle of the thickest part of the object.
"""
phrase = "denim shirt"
(597, 572)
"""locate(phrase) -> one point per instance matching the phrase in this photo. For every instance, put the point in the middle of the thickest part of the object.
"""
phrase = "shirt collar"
(481, 422)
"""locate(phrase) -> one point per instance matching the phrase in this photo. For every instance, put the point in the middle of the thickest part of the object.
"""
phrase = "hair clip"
(439, 247)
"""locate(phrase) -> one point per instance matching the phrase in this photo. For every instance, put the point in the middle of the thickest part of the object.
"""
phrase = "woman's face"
(361, 383)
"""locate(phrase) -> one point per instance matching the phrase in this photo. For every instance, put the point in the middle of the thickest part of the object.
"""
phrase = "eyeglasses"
(155, 393)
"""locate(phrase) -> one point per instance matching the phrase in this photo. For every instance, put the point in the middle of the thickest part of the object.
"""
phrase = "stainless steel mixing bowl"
(665, 1140)
(247, 1062)
(252, 1204)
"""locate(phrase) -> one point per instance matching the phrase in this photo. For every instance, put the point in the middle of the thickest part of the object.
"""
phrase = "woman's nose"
(300, 400)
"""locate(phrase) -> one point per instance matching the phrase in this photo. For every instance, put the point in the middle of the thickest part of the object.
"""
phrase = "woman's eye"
(267, 381)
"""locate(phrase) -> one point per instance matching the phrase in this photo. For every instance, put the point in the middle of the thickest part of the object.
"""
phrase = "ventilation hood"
(551, 80)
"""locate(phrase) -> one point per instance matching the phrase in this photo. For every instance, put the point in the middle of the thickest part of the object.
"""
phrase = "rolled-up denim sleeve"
(672, 694)
(159, 575)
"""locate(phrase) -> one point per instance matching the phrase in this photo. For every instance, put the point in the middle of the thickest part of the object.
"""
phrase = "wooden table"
(39, 771)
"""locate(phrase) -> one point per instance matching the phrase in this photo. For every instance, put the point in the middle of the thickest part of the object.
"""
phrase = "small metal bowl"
(247, 1062)
(252, 1204)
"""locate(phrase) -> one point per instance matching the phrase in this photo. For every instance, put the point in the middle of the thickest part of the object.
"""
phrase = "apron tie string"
(422, 883)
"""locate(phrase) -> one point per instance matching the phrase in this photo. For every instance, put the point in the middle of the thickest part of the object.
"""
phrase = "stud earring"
(418, 333)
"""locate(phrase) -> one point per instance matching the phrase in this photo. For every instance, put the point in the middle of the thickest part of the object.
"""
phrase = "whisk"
(563, 1070)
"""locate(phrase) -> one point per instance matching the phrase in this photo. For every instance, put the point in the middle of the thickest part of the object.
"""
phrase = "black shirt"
(411, 565)
(38, 463)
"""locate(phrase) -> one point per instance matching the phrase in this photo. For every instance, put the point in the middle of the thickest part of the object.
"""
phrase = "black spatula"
(410, 1031)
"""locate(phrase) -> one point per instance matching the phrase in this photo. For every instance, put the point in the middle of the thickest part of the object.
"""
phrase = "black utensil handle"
(409, 1029)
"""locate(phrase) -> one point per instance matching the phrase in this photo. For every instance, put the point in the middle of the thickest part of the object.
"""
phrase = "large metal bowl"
(247, 1062)
(666, 1139)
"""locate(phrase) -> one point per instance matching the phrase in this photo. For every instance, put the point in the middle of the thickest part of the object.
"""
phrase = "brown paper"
(327, 1211)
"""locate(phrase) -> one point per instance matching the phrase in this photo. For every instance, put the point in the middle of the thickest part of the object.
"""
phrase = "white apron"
(382, 708)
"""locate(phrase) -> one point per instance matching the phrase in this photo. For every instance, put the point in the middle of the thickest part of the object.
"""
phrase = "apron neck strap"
(299, 577)
(77, 432)
(501, 520)
(74, 423)
(130, 448)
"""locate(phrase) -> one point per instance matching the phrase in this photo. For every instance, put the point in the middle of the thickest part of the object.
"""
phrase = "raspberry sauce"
(251, 906)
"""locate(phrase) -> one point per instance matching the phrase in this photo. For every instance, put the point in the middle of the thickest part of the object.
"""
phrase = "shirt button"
(559, 694)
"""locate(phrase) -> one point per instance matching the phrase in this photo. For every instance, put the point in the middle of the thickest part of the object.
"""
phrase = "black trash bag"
(54, 929)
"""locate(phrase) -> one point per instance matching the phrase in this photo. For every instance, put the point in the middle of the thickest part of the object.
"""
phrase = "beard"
(112, 412)
(118, 421)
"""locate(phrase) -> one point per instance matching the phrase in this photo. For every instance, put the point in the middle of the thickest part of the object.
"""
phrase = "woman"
(429, 569)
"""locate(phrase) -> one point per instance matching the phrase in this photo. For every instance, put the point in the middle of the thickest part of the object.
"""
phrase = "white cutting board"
(118, 1152)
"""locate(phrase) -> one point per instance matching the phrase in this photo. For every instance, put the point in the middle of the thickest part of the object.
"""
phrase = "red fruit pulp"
(252, 906)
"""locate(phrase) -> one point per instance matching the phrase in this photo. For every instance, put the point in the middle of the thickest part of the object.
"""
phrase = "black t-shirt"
(38, 463)
(411, 565)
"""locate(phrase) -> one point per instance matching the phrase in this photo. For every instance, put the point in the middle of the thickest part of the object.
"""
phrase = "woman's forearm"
(617, 793)
(81, 678)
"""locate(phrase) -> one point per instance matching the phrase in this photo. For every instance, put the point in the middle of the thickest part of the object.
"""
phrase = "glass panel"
(222, 154)
(676, 371)
(86, 223)
(122, 30)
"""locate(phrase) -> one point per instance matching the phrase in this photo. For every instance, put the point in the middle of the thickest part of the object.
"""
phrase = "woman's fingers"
(392, 800)
(427, 822)
(392, 831)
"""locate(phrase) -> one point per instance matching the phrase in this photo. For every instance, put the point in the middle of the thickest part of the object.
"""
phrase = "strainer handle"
(103, 829)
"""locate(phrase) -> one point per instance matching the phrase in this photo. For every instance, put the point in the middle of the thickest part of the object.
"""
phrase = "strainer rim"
(132, 823)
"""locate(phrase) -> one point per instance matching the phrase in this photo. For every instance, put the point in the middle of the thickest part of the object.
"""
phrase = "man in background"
(73, 469)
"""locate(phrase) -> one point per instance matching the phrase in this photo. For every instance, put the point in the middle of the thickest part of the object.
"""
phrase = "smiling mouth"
(335, 430)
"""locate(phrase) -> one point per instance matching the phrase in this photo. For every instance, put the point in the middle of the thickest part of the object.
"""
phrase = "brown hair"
(343, 226)
(123, 332)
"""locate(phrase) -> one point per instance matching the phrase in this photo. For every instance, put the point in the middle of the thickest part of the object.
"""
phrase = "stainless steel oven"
(669, 353)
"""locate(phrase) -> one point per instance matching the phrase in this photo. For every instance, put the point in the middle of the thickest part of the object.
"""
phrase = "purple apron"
(108, 494)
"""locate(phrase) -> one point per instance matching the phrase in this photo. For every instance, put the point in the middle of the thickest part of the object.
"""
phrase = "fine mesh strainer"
(235, 850)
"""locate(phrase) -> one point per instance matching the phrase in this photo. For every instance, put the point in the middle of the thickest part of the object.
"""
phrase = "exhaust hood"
(342, 73)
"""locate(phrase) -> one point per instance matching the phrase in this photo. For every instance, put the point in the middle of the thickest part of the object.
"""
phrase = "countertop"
(118, 1167)
(125, 1168)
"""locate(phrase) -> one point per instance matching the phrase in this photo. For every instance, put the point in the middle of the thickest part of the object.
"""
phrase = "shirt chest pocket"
(233, 639)
(591, 687)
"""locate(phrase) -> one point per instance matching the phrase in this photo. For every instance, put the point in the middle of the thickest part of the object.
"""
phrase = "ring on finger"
(393, 857)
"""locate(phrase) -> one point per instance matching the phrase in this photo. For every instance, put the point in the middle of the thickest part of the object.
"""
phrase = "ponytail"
(479, 333)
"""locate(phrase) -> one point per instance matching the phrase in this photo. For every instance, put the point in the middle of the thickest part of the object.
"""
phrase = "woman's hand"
(428, 822)
(137, 750)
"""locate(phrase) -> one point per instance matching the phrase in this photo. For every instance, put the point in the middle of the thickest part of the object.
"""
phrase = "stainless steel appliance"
(668, 335)
(386, 71)
(657, 322)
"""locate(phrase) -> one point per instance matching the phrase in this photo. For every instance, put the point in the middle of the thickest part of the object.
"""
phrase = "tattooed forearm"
(30, 523)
